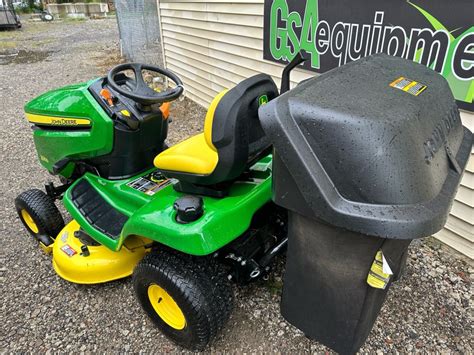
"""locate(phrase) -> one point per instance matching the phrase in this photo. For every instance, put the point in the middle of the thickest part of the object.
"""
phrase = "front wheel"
(39, 215)
(187, 299)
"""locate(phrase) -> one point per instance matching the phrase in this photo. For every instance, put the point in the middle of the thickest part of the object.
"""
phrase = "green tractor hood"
(69, 123)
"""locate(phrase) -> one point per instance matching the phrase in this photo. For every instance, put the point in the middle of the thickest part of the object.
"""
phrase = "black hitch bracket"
(56, 192)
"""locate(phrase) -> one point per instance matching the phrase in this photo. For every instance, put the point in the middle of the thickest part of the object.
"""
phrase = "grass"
(274, 286)
(7, 44)
(74, 19)
(9, 34)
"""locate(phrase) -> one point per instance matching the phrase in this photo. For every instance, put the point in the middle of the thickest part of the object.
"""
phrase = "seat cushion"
(208, 122)
(193, 156)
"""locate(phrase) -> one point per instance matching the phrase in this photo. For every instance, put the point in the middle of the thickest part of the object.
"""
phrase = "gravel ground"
(429, 310)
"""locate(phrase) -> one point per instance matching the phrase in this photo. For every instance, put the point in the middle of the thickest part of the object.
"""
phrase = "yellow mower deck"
(101, 265)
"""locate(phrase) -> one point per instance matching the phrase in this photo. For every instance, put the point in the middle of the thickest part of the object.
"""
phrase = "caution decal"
(410, 86)
(380, 272)
(151, 183)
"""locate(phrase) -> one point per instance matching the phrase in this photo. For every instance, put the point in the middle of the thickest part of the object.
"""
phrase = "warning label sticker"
(69, 251)
(151, 183)
(410, 86)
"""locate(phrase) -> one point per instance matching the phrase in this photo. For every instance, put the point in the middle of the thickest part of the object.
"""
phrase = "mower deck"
(76, 261)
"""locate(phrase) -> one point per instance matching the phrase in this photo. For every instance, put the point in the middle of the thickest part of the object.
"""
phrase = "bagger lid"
(375, 146)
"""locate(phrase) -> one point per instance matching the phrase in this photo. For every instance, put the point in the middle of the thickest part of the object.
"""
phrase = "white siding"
(459, 230)
(214, 44)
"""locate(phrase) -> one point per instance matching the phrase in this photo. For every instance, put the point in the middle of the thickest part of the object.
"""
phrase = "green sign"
(436, 33)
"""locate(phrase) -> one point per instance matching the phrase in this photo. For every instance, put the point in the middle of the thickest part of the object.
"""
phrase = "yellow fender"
(101, 265)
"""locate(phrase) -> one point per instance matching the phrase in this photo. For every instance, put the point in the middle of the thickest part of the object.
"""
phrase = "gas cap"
(188, 209)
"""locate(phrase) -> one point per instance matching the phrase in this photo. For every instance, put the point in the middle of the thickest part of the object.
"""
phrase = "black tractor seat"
(233, 137)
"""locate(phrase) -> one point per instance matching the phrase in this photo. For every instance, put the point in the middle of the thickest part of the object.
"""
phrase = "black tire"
(203, 294)
(44, 213)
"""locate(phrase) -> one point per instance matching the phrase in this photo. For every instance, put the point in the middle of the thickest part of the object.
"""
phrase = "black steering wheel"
(139, 91)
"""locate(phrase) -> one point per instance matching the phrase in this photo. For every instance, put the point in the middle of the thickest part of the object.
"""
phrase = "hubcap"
(29, 221)
(166, 307)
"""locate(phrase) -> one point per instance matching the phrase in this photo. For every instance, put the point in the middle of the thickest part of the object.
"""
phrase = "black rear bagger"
(367, 157)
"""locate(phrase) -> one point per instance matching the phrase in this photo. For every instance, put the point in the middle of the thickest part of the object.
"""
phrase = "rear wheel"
(189, 300)
(39, 215)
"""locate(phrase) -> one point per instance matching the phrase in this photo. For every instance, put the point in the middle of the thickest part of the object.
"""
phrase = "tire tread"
(43, 211)
(206, 290)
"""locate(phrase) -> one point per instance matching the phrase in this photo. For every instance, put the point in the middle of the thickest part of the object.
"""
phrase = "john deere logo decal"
(57, 121)
(262, 100)
(436, 33)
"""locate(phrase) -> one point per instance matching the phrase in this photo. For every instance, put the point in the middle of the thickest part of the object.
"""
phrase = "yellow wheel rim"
(29, 221)
(166, 307)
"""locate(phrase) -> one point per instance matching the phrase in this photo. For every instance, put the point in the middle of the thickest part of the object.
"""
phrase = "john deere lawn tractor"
(341, 173)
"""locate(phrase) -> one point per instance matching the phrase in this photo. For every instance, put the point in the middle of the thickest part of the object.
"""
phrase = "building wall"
(459, 230)
(214, 44)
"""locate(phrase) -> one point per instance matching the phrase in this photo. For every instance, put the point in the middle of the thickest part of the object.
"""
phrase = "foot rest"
(97, 211)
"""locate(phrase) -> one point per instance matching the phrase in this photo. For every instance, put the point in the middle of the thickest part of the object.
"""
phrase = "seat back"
(233, 129)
